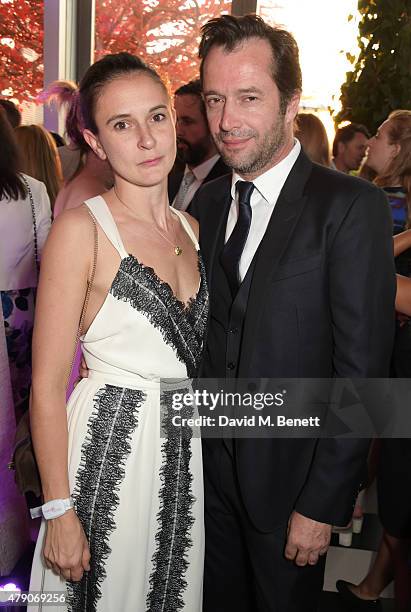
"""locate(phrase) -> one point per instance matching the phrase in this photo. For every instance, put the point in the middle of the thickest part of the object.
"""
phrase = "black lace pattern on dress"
(182, 326)
(101, 471)
(175, 518)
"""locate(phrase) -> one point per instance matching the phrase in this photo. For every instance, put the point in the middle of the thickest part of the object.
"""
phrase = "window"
(165, 33)
(21, 49)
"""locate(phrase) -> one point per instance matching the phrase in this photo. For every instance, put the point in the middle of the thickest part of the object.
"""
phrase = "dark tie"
(233, 249)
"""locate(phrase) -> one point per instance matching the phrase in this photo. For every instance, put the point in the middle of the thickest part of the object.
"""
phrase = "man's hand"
(83, 368)
(307, 539)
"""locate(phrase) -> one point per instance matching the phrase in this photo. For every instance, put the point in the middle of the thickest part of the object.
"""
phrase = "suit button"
(233, 330)
(230, 365)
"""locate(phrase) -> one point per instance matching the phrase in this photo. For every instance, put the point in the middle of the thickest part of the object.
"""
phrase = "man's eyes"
(213, 101)
(158, 117)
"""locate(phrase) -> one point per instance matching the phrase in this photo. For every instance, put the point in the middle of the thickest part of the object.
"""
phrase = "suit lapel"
(213, 224)
(286, 213)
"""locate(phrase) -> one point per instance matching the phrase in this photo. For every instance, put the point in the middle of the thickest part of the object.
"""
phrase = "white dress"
(138, 496)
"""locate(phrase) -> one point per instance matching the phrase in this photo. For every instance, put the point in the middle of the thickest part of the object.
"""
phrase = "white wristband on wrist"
(52, 509)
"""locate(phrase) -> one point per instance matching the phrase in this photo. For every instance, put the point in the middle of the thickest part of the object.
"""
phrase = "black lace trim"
(182, 327)
(175, 518)
(102, 469)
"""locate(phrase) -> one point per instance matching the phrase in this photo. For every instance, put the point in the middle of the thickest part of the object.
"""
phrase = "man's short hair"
(12, 112)
(347, 133)
(230, 32)
(193, 88)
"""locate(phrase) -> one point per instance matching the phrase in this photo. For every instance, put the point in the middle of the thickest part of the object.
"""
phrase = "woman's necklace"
(177, 249)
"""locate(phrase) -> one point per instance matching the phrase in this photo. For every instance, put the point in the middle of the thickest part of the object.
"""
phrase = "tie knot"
(189, 178)
(244, 190)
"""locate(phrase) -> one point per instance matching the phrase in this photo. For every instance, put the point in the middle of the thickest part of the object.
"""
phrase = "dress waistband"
(133, 381)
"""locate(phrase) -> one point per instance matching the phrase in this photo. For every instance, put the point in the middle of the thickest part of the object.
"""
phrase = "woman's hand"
(66, 549)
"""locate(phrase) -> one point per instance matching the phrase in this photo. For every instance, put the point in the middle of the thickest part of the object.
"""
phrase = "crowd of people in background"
(42, 175)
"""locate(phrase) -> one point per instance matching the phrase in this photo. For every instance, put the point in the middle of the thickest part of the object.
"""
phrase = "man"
(349, 146)
(195, 146)
(301, 279)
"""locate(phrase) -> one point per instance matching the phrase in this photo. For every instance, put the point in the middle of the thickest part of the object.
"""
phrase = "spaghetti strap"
(98, 206)
(186, 225)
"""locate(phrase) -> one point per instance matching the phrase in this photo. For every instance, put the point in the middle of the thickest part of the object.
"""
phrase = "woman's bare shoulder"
(73, 224)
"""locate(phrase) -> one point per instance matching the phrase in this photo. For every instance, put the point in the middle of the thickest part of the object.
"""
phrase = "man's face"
(249, 128)
(194, 142)
(352, 152)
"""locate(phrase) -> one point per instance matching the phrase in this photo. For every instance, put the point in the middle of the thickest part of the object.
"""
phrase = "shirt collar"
(201, 171)
(270, 183)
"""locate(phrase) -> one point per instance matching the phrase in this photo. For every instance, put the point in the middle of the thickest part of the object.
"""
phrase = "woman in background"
(389, 155)
(39, 158)
(311, 132)
(88, 175)
(23, 200)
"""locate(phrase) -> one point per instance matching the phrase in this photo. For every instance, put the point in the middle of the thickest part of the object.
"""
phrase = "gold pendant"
(178, 250)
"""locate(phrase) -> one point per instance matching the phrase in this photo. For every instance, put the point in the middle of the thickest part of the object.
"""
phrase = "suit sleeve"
(362, 286)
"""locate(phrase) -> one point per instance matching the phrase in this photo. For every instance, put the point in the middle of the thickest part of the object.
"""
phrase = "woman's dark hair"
(230, 32)
(11, 185)
(104, 71)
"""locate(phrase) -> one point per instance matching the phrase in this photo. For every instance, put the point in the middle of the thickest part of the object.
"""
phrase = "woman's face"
(136, 130)
(380, 150)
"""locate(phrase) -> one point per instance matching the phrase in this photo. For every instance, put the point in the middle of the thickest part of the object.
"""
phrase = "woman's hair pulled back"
(102, 72)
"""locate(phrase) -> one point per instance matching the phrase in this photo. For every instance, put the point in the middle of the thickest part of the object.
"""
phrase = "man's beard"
(271, 143)
(193, 156)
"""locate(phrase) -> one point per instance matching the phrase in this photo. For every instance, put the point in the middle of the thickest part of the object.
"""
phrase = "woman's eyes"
(121, 125)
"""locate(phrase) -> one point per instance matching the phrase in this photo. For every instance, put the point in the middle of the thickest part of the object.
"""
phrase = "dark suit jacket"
(175, 177)
(321, 304)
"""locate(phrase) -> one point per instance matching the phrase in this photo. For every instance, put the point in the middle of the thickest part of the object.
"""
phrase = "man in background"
(195, 147)
(349, 146)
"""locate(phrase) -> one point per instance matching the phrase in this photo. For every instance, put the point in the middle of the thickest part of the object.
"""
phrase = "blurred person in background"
(312, 135)
(402, 242)
(389, 156)
(12, 112)
(39, 158)
(349, 146)
(87, 176)
(59, 140)
(25, 218)
(195, 147)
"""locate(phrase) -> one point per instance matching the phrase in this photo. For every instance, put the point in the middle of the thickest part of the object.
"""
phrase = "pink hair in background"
(66, 94)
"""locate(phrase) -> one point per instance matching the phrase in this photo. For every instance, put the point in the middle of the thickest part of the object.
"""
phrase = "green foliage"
(380, 81)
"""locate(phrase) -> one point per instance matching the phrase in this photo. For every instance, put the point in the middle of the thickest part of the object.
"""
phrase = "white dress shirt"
(17, 266)
(267, 188)
(200, 172)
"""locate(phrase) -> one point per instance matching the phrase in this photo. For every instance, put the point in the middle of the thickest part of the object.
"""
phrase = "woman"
(389, 155)
(39, 157)
(25, 218)
(311, 132)
(134, 539)
(86, 174)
